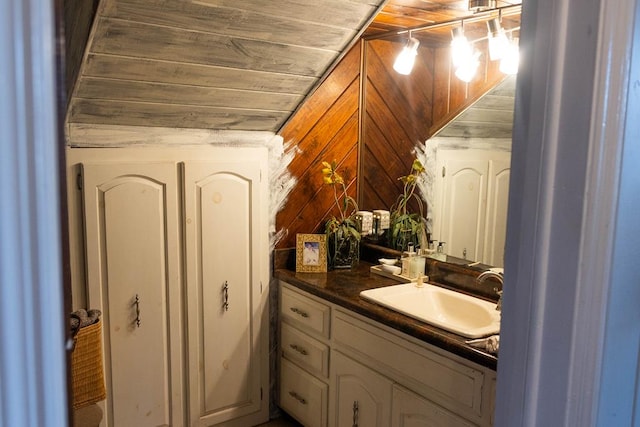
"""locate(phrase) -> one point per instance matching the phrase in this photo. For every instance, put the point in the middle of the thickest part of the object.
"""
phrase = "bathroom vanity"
(345, 361)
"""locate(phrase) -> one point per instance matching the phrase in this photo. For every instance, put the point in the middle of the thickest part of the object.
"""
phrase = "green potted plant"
(343, 237)
(408, 227)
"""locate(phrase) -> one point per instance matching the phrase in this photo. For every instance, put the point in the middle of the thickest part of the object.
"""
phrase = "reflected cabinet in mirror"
(461, 133)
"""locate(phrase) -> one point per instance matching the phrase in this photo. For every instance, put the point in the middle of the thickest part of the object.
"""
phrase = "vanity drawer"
(302, 396)
(307, 352)
(305, 312)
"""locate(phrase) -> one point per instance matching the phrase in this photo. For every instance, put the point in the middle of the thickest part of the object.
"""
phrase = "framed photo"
(311, 253)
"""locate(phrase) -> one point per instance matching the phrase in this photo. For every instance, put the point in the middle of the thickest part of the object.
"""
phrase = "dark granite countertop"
(342, 287)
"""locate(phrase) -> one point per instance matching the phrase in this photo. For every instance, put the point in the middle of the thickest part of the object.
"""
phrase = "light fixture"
(467, 69)
(480, 5)
(461, 49)
(406, 58)
(511, 60)
(464, 57)
(498, 42)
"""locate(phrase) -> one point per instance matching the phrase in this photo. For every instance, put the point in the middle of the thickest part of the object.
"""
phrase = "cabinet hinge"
(444, 170)
(79, 181)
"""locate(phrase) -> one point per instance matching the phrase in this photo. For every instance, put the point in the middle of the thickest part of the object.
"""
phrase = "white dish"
(387, 261)
(394, 269)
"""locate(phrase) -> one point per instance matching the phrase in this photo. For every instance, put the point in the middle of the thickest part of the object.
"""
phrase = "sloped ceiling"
(491, 116)
(209, 64)
(227, 64)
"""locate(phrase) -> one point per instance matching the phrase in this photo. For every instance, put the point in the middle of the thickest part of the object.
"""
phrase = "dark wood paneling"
(404, 111)
(325, 128)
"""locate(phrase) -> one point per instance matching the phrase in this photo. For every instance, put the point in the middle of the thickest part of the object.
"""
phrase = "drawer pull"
(136, 304)
(225, 295)
(355, 413)
(300, 350)
(299, 312)
(297, 397)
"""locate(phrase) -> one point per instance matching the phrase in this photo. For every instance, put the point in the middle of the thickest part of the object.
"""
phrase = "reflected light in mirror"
(406, 58)
(509, 64)
(461, 49)
(498, 42)
(467, 70)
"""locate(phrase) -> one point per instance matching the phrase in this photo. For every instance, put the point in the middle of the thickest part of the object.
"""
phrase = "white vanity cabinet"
(360, 396)
(379, 376)
(177, 260)
(304, 361)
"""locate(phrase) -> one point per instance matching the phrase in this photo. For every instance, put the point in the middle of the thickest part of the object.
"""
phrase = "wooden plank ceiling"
(229, 64)
(397, 16)
(210, 64)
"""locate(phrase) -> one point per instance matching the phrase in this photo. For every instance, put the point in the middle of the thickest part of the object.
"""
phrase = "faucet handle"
(499, 303)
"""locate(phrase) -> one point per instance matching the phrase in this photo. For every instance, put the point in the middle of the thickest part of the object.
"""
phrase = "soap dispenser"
(440, 255)
(407, 261)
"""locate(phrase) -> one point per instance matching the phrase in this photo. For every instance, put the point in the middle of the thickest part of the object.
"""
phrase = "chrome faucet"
(495, 275)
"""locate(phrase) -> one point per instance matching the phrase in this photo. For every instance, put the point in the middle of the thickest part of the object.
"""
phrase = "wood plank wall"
(404, 111)
(399, 112)
(325, 128)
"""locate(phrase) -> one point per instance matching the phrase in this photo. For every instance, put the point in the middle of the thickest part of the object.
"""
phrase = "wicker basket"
(87, 372)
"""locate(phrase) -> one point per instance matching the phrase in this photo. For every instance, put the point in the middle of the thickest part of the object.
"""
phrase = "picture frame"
(311, 253)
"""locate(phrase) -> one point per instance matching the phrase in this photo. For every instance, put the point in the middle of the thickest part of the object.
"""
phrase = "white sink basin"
(453, 311)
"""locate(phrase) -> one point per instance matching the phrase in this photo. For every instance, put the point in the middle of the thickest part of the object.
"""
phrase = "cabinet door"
(497, 202)
(133, 274)
(226, 259)
(360, 396)
(411, 410)
(464, 207)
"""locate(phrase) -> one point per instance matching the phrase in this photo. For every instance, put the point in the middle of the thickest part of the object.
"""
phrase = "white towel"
(490, 344)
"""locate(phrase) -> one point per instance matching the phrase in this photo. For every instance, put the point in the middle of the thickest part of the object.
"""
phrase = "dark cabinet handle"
(300, 350)
(225, 292)
(136, 304)
(299, 312)
(297, 397)
(355, 413)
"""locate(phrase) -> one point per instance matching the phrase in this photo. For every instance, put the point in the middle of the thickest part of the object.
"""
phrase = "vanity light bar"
(477, 17)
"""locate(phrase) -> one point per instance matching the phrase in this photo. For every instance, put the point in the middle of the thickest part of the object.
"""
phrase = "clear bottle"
(407, 261)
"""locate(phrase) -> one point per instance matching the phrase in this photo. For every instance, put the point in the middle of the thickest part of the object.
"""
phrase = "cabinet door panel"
(361, 396)
(224, 289)
(411, 410)
(464, 206)
(133, 276)
(497, 202)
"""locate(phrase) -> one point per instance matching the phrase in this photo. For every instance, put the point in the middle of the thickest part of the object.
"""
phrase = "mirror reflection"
(460, 131)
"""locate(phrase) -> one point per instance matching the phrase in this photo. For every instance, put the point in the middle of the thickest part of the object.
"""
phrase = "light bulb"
(511, 60)
(406, 58)
(498, 42)
(466, 71)
(461, 49)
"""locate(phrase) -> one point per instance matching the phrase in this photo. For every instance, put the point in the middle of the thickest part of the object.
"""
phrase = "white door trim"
(568, 141)
(32, 330)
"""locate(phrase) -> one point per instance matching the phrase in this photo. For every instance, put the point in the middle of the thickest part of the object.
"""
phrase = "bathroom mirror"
(468, 127)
